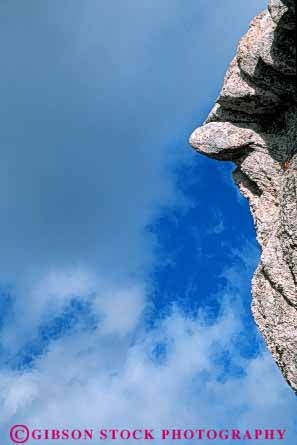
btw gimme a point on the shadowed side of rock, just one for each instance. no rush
(254, 124)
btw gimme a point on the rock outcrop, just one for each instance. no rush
(254, 124)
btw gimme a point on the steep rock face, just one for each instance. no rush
(254, 124)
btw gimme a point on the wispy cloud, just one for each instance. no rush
(114, 378)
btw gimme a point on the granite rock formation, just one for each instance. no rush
(254, 124)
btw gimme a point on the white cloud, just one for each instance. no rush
(104, 379)
(121, 309)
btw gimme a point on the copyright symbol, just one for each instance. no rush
(19, 433)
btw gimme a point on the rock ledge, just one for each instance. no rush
(254, 124)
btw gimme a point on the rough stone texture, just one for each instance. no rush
(254, 124)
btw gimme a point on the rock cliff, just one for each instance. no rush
(254, 124)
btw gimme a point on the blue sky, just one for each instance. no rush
(126, 258)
